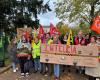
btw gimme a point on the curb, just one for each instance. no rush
(5, 69)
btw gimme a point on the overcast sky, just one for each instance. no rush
(49, 17)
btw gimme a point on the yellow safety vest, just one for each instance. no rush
(32, 44)
(50, 41)
(36, 50)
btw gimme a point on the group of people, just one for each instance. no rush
(25, 50)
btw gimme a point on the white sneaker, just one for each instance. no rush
(22, 74)
(17, 69)
(14, 70)
(45, 75)
(27, 74)
(97, 79)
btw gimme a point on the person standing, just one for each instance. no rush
(87, 38)
(94, 73)
(56, 66)
(36, 54)
(49, 66)
(98, 41)
(23, 54)
(12, 50)
(80, 40)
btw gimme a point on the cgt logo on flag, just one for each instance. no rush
(41, 31)
(96, 24)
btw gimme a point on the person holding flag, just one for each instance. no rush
(70, 38)
(34, 35)
(80, 40)
(41, 34)
(24, 55)
(48, 41)
(53, 30)
(56, 66)
(55, 35)
(36, 49)
(36, 54)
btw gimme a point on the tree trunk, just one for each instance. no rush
(92, 13)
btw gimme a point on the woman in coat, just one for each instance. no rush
(94, 73)
(23, 54)
(12, 50)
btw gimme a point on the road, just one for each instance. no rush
(9, 75)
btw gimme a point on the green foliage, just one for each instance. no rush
(77, 9)
(63, 28)
(17, 13)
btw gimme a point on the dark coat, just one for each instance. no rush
(12, 50)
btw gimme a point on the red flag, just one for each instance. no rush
(26, 35)
(96, 24)
(41, 31)
(53, 29)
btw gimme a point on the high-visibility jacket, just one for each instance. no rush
(36, 50)
(50, 41)
(32, 43)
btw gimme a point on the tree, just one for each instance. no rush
(17, 13)
(76, 10)
(63, 28)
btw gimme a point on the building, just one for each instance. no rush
(46, 29)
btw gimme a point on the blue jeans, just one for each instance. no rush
(14, 66)
(37, 64)
(56, 70)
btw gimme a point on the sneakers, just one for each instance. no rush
(46, 75)
(27, 74)
(97, 79)
(17, 69)
(14, 70)
(22, 74)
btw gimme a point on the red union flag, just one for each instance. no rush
(96, 24)
(53, 29)
(41, 31)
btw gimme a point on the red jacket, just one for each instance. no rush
(82, 41)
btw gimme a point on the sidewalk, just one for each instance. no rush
(6, 67)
